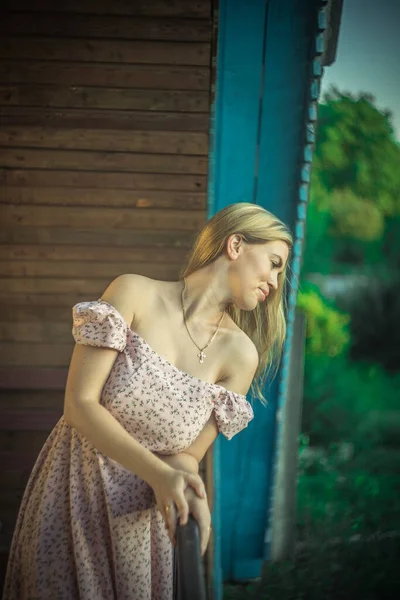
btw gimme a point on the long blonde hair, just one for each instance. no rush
(266, 324)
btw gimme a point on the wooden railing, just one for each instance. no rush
(189, 579)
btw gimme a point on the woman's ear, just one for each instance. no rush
(233, 245)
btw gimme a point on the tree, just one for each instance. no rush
(355, 185)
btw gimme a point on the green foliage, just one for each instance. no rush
(351, 399)
(327, 332)
(339, 398)
(329, 570)
(375, 322)
(355, 217)
(348, 500)
(356, 149)
(355, 187)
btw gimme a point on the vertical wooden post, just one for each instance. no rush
(284, 501)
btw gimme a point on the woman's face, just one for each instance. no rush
(255, 269)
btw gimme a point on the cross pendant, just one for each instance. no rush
(201, 356)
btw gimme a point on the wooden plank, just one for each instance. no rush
(106, 26)
(34, 314)
(19, 444)
(103, 98)
(44, 331)
(85, 254)
(92, 218)
(89, 288)
(157, 77)
(156, 142)
(84, 160)
(14, 479)
(102, 161)
(106, 51)
(8, 519)
(15, 270)
(29, 420)
(28, 399)
(196, 9)
(72, 269)
(16, 460)
(53, 298)
(85, 197)
(85, 179)
(109, 238)
(28, 379)
(104, 119)
(35, 355)
(10, 498)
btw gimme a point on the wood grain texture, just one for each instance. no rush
(118, 75)
(29, 420)
(106, 26)
(36, 355)
(26, 331)
(73, 269)
(199, 9)
(54, 291)
(108, 238)
(59, 96)
(61, 253)
(79, 160)
(28, 399)
(28, 378)
(34, 314)
(107, 51)
(111, 140)
(127, 120)
(100, 180)
(93, 218)
(59, 196)
(65, 299)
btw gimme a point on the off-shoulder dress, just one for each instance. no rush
(88, 528)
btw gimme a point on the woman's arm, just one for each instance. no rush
(88, 372)
(182, 461)
(243, 365)
(189, 459)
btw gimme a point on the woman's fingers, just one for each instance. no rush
(205, 531)
(204, 525)
(183, 508)
(170, 520)
(197, 484)
(171, 498)
(205, 538)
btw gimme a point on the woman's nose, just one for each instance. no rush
(273, 283)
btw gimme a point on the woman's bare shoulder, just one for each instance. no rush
(241, 362)
(242, 347)
(130, 293)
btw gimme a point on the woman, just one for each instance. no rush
(158, 369)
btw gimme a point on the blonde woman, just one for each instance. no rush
(158, 369)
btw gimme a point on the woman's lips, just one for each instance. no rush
(264, 293)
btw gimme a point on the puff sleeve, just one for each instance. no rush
(232, 412)
(98, 323)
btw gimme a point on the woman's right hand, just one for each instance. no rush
(199, 508)
(169, 489)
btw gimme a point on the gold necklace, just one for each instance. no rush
(201, 354)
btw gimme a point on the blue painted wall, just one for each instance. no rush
(258, 141)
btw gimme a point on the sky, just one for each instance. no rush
(368, 54)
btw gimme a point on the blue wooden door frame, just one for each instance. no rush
(260, 151)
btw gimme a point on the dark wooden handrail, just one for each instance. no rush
(189, 580)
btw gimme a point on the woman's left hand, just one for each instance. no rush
(200, 510)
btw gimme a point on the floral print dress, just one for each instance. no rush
(88, 528)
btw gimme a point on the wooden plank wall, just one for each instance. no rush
(103, 170)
